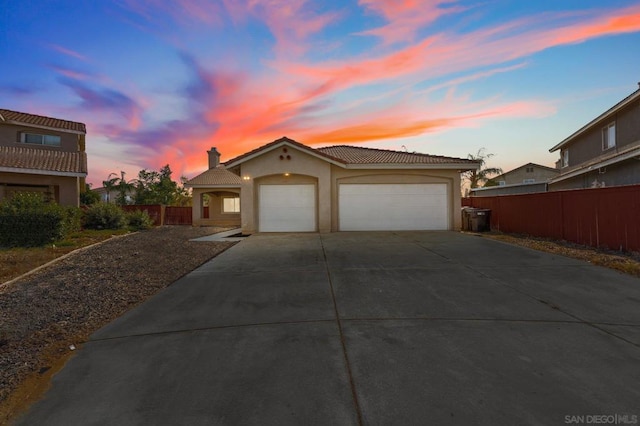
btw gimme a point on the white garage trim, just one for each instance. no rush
(393, 207)
(287, 208)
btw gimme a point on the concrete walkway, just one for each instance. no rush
(365, 328)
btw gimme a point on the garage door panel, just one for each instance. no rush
(394, 207)
(287, 208)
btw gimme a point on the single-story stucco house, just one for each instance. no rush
(286, 186)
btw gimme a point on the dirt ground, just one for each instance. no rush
(47, 315)
(626, 262)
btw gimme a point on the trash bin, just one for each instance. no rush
(476, 220)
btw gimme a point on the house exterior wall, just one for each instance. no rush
(65, 190)
(628, 125)
(304, 168)
(587, 148)
(519, 175)
(372, 176)
(270, 168)
(618, 175)
(69, 142)
(216, 217)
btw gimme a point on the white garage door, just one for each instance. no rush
(393, 207)
(287, 208)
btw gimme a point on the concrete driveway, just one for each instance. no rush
(366, 328)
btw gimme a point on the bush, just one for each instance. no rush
(139, 220)
(104, 216)
(27, 220)
(73, 220)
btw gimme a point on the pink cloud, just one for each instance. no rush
(406, 17)
(184, 12)
(68, 52)
(291, 22)
(240, 110)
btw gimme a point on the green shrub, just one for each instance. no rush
(139, 220)
(27, 220)
(104, 216)
(73, 220)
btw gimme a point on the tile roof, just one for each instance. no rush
(347, 154)
(359, 155)
(267, 146)
(43, 160)
(16, 117)
(217, 176)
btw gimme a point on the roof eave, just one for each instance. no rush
(511, 185)
(620, 105)
(258, 153)
(39, 126)
(604, 163)
(41, 172)
(204, 185)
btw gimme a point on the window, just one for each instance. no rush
(48, 140)
(231, 205)
(609, 136)
(565, 158)
(528, 181)
(502, 183)
(529, 169)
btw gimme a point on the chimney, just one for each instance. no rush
(214, 158)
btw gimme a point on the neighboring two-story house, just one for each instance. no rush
(604, 152)
(42, 154)
(526, 179)
(525, 174)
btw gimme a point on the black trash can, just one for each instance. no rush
(476, 220)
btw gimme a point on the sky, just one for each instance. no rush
(162, 81)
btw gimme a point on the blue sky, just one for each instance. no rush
(160, 82)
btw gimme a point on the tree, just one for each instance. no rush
(121, 185)
(482, 175)
(89, 196)
(158, 188)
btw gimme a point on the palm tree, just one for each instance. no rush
(119, 184)
(483, 174)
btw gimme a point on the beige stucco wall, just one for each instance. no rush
(216, 217)
(269, 168)
(449, 177)
(303, 168)
(65, 189)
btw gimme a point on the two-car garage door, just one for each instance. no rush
(361, 207)
(393, 207)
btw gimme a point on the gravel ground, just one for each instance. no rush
(46, 314)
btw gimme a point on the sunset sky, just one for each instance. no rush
(161, 81)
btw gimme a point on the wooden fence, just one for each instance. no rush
(599, 217)
(164, 215)
(178, 216)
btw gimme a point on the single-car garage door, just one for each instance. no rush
(287, 208)
(393, 207)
